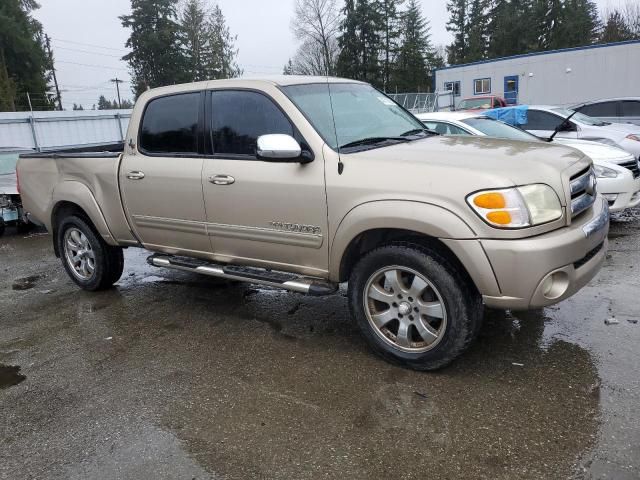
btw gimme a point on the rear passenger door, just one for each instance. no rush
(261, 213)
(160, 176)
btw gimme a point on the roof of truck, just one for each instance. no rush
(284, 80)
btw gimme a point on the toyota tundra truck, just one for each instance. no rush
(304, 183)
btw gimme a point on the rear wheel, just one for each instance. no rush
(413, 306)
(90, 262)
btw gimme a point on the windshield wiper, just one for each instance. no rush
(373, 141)
(416, 131)
(562, 125)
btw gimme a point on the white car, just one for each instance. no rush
(619, 184)
(543, 120)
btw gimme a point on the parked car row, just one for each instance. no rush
(617, 170)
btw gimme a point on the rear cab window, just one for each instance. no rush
(170, 125)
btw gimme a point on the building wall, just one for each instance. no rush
(564, 77)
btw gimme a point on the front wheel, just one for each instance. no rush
(90, 262)
(413, 306)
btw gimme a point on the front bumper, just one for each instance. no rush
(625, 190)
(543, 270)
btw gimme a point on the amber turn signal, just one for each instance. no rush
(490, 201)
(499, 217)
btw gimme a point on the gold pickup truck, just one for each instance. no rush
(303, 183)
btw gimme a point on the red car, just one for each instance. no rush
(482, 103)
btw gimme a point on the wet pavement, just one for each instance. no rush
(172, 375)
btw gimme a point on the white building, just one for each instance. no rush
(559, 77)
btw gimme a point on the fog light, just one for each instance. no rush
(555, 285)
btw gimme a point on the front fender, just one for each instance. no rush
(80, 195)
(418, 217)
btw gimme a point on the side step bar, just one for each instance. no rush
(286, 281)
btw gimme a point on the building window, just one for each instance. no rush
(482, 86)
(452, 87)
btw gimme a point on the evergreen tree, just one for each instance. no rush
(288, 68)
(416, 54)
(193, 28)
(392, 21)
(505, 32)
(103, 103)
(615, 29)
(222, 51)
(580, 23)
(370, 22)
(24, 65)
(478, 31)
(156, 58)
(78, 107)
(349, 60)
(457, 25)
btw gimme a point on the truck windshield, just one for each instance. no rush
(494, 128)
(351, 115)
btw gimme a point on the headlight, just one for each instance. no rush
(517, 207)
(634, 137)
(604, 172)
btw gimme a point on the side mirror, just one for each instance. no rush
(569, 127)
(279, 148)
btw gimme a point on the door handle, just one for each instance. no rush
(222, 180)
(135, 175)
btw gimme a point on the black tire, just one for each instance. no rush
(108, 261)
(455, 294)
(2, 227)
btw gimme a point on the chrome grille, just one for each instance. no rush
(634, 166)
(583, 191)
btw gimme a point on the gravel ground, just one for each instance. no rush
(175, 376)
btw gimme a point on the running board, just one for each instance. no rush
(286, 281)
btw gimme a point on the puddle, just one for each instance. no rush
(10, 375)
(25, 283)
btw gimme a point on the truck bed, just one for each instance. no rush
(106, 150)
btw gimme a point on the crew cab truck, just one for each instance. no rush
(303, 183)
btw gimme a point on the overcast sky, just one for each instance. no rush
(88, 40)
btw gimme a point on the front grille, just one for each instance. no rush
(634, 166)
(583, 191)
(588, 256)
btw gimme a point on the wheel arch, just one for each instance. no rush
(378, 223)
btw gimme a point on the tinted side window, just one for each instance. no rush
(239, 118)
(630, 109)
(603, 109)
(537, 120)
(170, 124)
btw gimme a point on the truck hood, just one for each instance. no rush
(503, 161)
(598, 152)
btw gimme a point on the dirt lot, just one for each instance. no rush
(175, 376)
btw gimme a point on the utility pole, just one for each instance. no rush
(53, 70)
(117, 81)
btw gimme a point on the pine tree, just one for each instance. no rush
(371, 25)
(580, 23)
(24, 65)
(457, 25)
(416, 54)
(349, 60)
(392, 21)
(505, 32)
(103, 103)
(193, 27)
(222, 51)
(155, 58)
(288, 68)
(616, 29)
(478, 31)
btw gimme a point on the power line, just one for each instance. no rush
(87, 51)
(90, 45)
(93, 65)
